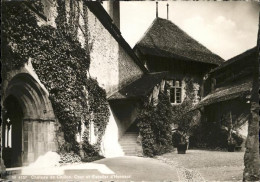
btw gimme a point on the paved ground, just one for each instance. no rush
(109, 169)
(141, 169)
(195, 166)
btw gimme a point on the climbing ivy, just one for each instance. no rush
(61, 64)
(183, 115)
(154, 126)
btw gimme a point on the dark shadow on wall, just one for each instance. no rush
(125, 112)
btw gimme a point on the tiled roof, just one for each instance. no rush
(226, 93)
(251, 52)
(165, 39)
(140, 87)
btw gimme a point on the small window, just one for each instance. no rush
(172, 95)
(8, 134)
(178, 95)
(175, 91)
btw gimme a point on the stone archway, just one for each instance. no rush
(29, 112)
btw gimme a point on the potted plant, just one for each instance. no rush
(231, 141)
(185, 122)
(239, 140)
(184, 118)
(231, 132)
(181, 141)
(231, 144)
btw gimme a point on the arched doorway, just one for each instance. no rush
(28, 128)
(12, 132)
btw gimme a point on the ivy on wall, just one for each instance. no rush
(154, 126)
(60, 63)
(182, 114)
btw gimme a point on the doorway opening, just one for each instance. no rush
(12, 132)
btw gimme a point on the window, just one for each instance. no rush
(8, 134)
(175, 91)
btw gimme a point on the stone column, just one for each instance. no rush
(28, 152)
(251, 158)
(39, 138)
(2, 166)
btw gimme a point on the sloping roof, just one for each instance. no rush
(226, 93)
(240, 57)
(140, 87)
(97, 9)
(165, 39)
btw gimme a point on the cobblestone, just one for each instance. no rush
(184, 174)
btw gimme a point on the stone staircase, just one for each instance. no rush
(130, 145)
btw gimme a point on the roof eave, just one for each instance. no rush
(235, 59)
(176, 57)
(97, 9)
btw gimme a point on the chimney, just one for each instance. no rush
(113, 9)
(156, 9)
(167, 11)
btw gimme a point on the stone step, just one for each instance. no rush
(129, 149)
(130, 136)
(129, 144)
(128, 139)
(131, 154)
(131, 132)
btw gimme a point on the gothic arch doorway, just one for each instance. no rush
(12, 132)
(28, 129)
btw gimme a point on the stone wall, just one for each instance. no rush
(39, 138)
(125, 113)
(110, 64)
(127, 69)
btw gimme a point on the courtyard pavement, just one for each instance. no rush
(195, 166)
(127, 168)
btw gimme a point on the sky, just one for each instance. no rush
(225, 28)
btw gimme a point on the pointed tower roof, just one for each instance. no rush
(165, 39)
